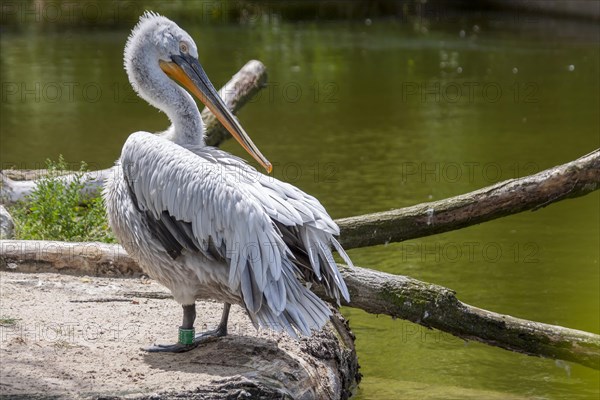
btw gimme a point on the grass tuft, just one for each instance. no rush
(57, 209)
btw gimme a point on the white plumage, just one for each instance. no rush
(203, 222)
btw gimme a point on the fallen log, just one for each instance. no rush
(437, 307)
(376, 292)
(573, 179)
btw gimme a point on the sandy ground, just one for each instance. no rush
(80, 337)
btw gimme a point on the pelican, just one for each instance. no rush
(204, 223)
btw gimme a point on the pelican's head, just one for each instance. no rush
(174, 51)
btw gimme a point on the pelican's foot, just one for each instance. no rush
(170, 348)
(209, 336)
(188, 341)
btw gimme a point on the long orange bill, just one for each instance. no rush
(188, 71)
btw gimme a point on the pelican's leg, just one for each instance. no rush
(187, 340)
(221, 329)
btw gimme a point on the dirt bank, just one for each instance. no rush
(73, 336)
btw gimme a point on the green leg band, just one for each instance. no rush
(186, 336)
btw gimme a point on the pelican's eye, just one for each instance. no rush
(183, 47)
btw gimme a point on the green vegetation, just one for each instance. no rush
(57, 210)
(8, 321)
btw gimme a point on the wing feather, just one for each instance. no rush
(271, 234)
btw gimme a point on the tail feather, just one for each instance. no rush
(288, 305)
(346, 258)
(304, 311)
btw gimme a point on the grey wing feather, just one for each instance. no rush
(308, 229)
(203, 200)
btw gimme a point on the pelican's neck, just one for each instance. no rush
(154, 86)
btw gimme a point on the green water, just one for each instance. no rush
(369, 118)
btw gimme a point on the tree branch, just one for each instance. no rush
(242, 87)
(574, 179)
(437, 307)
(372, 291)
